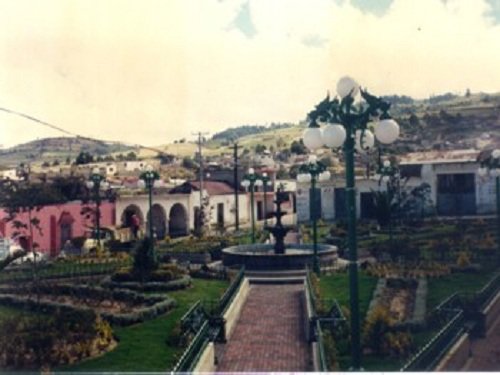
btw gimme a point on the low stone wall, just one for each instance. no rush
(206, 363)
(492, 311)
(455, 359)
(233, 312)
(262, 257)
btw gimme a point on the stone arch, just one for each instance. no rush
(177, 221)
(126, 218)
(159, 221)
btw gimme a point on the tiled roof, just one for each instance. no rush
(212, 187)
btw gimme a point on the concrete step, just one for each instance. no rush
(276, 280)
(276, 274)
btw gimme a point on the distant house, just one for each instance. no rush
(456, 189)
(58, 224)
(221, 203)
(9, 174)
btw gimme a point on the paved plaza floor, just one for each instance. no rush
(269, 335)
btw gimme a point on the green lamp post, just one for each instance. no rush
(148, 180)
(491, 166)
(389, 173)
(348, 127)
(265, 180)
(94, 184)
(250, 180)
(311, 173)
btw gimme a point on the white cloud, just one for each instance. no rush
(154, 71)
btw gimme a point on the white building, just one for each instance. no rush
(456, 189)
(174, 212)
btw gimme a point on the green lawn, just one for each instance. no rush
(337, 286)
(9, 312)
(441, 288)
(143, 347)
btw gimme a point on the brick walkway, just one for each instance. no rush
(486, 351)
(269, 335)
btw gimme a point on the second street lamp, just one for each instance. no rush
(348, 127)
(265, 179)
(94, 183)
(148, 179)
(311, 172)
(249, 182)
(491, 166)
(389, 174)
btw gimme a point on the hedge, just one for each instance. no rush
(151, 286)
(156, 304)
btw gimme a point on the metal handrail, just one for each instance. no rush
(323, 366)
(488, 292)
(428, 357)
(230, 293)
(312, 297)
(193, 352)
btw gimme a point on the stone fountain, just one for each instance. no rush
(278, 230)
(277, 256)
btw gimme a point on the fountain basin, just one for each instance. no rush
(262, 257)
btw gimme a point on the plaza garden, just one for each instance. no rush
(119, 311)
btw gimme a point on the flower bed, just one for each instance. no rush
(122, 307)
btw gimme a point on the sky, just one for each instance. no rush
(153, 71)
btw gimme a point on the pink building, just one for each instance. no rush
(58, 223)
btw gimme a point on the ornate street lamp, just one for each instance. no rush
(312, 172)
(249, 181)
(94, 183)
(265, 180)
(491, 166)
(148, 180)
(389, 174)
(348, 126)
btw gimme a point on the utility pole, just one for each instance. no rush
(236, 187)
(200, 139)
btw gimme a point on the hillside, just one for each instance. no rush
(58, 148)
(448, 121)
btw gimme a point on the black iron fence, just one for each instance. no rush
(457, 314)
(192, 354)
(205, 319)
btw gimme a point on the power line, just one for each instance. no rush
(58, 128)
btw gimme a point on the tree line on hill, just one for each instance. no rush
(232, 134)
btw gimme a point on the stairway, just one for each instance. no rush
(269, 334)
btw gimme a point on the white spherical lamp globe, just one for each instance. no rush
(245, 183)
(324, 176)
(387, 163)
(482, 172)
(387, 131)
(334, 135)
(141, 184)
(496, 154)
(312, 138)
(347, 86)
(366, 143)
